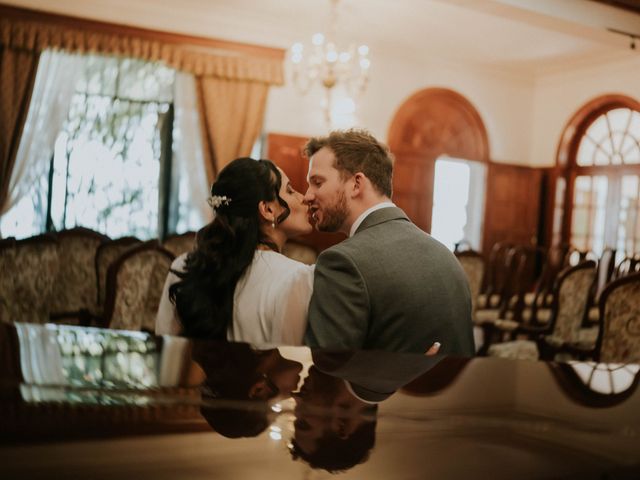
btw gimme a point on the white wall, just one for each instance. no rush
(524, 115)
(503, 99)
(559, 95)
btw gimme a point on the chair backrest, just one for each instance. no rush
(134, 287)
(179, 244)
(300, 252)
(545, 286)
(575, 256)
(570, 302)
(7, 267)
(29, 281)
(619, 338)
(106, 254)
(628, 265)
(530, 261)
(495, 269)
(606, 266)
(76, 287)
(473, 265)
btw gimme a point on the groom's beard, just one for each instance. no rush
(334, 216)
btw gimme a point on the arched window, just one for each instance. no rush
(599, 186)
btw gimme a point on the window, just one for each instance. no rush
(107, 160)
(111, 165)
(458, 202)
(604, 182)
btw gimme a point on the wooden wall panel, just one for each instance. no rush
(413, 187)
(286, 152)
(512, 207)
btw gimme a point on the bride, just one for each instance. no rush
(235, 284)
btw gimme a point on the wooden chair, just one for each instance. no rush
(178, 244)
(29, 269)
(300, 252)
(525, 278)
(106, 254)
(537, 304)
(564, 333)
(497, 302)
(501, 303)
(619, 335)
(75, 289)
(134, 287)
(495, 274)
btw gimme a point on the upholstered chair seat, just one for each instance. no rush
(486, 316)
(543, 315)
(515, 350)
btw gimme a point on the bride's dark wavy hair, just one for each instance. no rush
(225, 247)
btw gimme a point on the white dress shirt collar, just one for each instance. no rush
(366, 213)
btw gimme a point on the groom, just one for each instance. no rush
(389, 286)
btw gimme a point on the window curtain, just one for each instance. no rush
(17, 75)
(188, 165)
(231, 86)
(233, 112)
(475, 204)
(52, 92)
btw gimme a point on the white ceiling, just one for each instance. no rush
(530, 36)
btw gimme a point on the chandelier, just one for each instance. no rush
(326, 64)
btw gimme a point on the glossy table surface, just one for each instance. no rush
(92, 403)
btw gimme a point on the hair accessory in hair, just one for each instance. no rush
(215, 201)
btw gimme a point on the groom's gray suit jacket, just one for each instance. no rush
(390, 286)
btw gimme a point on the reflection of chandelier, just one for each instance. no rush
(325, 63)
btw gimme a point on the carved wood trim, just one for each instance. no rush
(437, 121)
(580, 121)
(24, 14)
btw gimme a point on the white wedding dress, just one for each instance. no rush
(270, 301)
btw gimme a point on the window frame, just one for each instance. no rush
(567, 168)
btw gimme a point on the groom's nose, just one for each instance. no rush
(308, 196)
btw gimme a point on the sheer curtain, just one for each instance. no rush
(188, 166)
(54, 86)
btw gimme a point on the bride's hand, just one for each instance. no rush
(433, 350)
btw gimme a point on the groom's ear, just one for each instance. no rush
(359, 181)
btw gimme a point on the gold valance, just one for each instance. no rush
(200, 60)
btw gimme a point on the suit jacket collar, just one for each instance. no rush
(381, 216)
